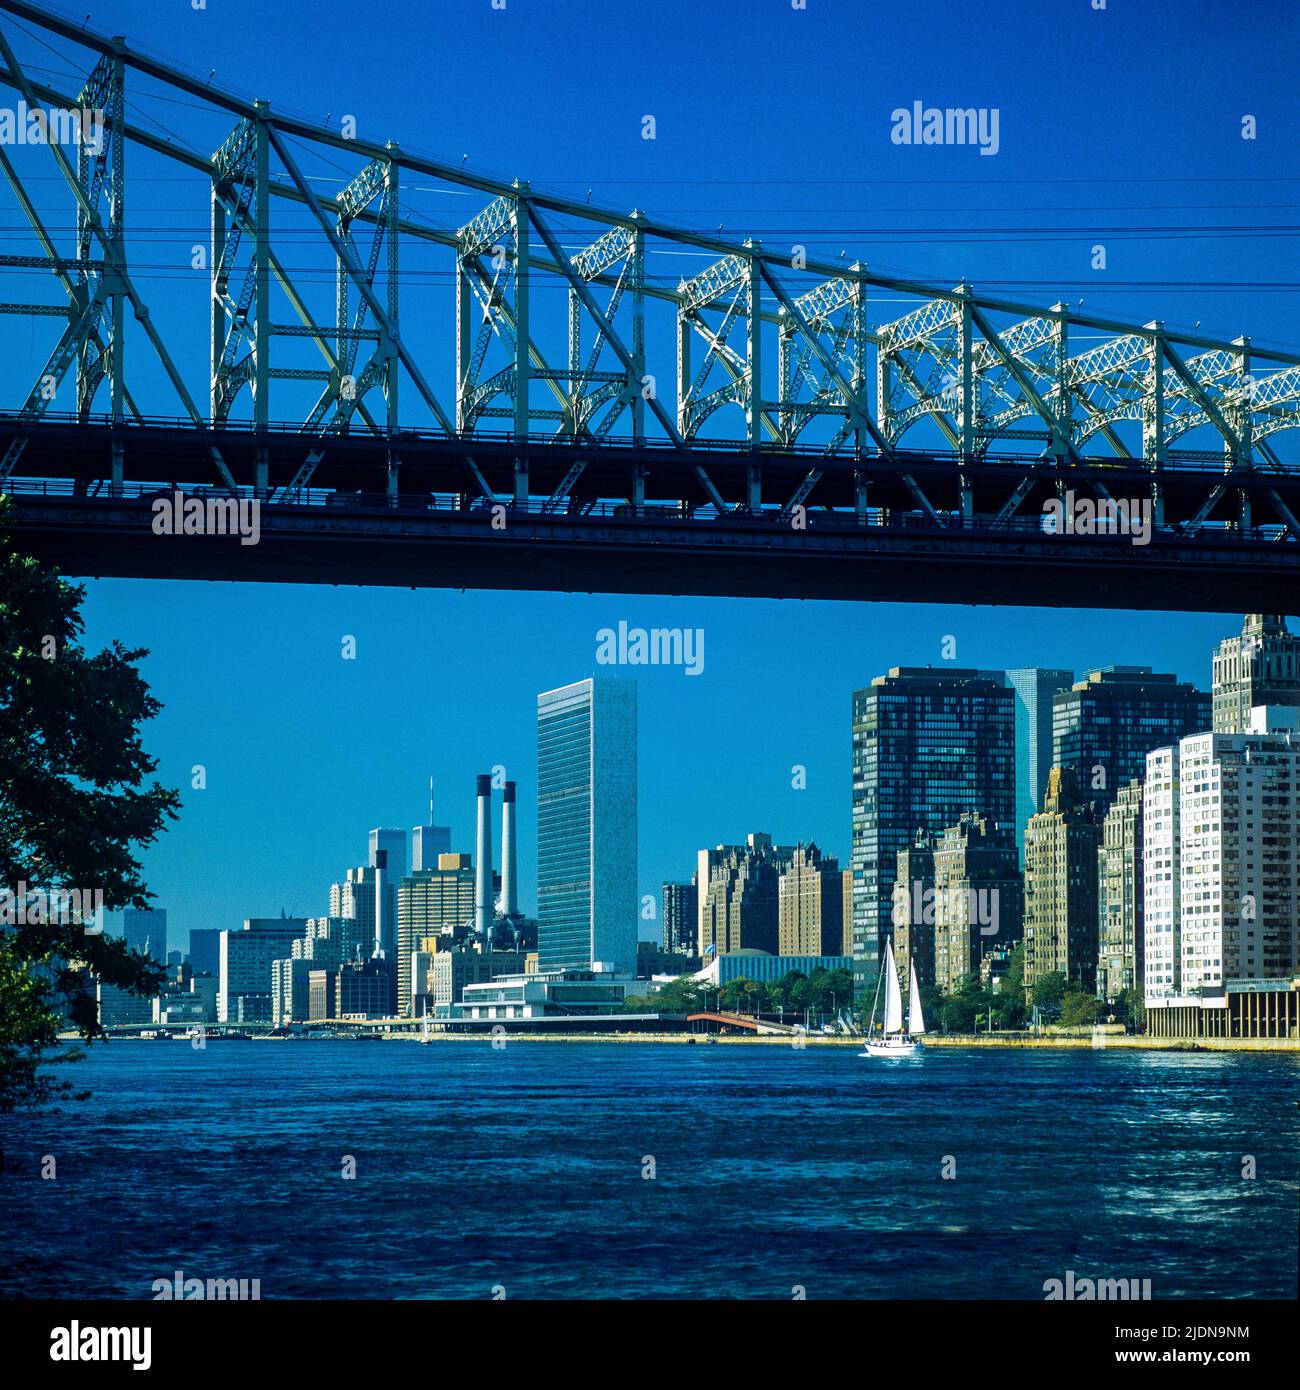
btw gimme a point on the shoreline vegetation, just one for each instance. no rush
(1085, 1041)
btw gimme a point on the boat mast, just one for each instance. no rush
(880, 975)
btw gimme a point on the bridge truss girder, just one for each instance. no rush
(784, 340)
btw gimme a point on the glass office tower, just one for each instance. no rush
(1104, 726)
(587, 826)
(1034, 687)
(929, 746)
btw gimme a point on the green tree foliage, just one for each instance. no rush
(680, 996)
(967, 1009)
(1130, 1009)
(1078, 1008)
(822, 992)
(74, 804)
(1049, 991)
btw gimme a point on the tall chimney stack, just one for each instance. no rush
(509, 854)
(483, 863)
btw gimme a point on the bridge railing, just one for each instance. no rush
(824, 520)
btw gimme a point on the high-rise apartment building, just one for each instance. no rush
(978, 898)
(913, 924)
(1034, 688)
(329, 941)
(1161, 881)
(1261, 667)
(1104, 726)
(1120, 866)
(680, 907)
(810, 907)
(1228, 831)
(368, 895)
(587, 826)
(740, 895)
(929, 746)
(1061, 844)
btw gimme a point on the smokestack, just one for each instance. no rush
(483, 863)
(380, 857)
(509, 854)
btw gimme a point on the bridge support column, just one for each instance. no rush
(262, 470)
(860, 499)
(118, 461)
(754, 488)
(521, 482)
(394, 469)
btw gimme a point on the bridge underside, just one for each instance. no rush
(637, 520)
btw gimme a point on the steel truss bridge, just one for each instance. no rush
(569, 419)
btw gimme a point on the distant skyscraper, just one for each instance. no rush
(1034, 687)
(429, 841)
(1120, 895)
(1104, 726)
(680, 919)
(1229, 826)
(1061, 885)
(811, 906)
(205, 950)
(929, 746)
(1260, 667)
(587, 826)
(393, 843)
(145, 930)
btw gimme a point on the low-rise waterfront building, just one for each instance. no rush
(547, 994)
(765, 968)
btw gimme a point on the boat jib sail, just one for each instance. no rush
(915, 1018)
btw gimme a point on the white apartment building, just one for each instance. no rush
(1222, 858)
(1160, 876)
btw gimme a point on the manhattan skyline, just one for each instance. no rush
(305, 752)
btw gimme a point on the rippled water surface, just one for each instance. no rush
(523, 1168)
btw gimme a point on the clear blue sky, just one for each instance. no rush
(770, 121)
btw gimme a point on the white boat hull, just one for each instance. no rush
(891, 1047)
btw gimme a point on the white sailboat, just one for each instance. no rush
(893, 1040)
